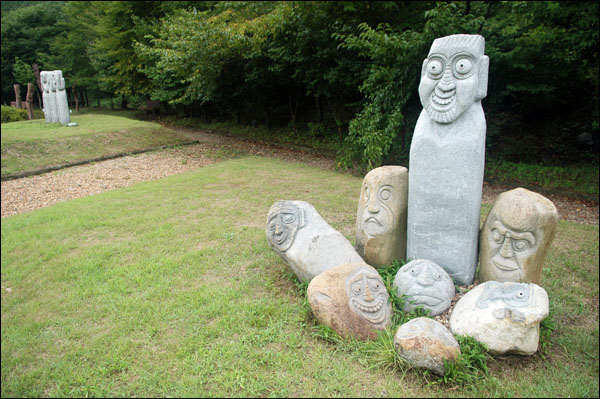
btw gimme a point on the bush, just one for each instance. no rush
(12, 114)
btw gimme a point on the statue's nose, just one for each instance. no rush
(506, 250)
(447, 83)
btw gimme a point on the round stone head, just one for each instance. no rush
(515, 237)
(283, 222)
(45, 80)
(58, 77)
(425, 284)
(454, 76)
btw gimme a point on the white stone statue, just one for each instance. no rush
(49, 96)
(381, 216)
(62, 105)
(447, 157)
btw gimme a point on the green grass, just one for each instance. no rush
(169, 288)
(35, 144)
(573, 179)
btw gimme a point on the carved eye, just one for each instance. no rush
(288, 218)
(519, 295)
(413, 271)
(357, 288)
(366, 192)
(463, 66)
(374, 284)
(272, 226)
(520, 245)
(385, 194)
(496, 236)
(437, 276)
(435, 68)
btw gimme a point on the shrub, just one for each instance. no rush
(12, 114)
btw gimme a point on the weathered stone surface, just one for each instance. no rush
(381, 216)
(516, 236)
(49, 96)
(425, 343)
(62, 105)
(425, 284)
(447, 157)
(351, 299)
(307, 243)
(504, 316)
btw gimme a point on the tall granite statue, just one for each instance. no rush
(381, 216)
(447, 157)
(62, 105)
(516, 236)
(49, 96)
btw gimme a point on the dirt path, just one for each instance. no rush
(27, 194)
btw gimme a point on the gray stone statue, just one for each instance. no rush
(424, 284)
(62, 105)
(447, 157)
(49, 96)
(381, 217)
(516, 236)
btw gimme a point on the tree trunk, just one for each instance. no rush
(98, 100)
(29, 100)
(123, 102)
(87, 99)
(111, 102)
(39, 98)
(319, 108)
(294, 110)
(36, 73)
(18, 94)
(75, 97)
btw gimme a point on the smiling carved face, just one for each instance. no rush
(368, 296)
(454, 76)
(284, 221)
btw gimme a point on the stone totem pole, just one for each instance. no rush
(49, 97)
(62, 106)
(447, 157)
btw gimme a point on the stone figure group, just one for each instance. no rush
(429, 214)
(54, 96)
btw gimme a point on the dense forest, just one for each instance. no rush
(341, 71)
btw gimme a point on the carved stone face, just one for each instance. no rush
(515, 236)
(58, 79)
(426, 284)
(454, 76)
(45, 81)
(516, 295)
(368, 295)
(284, 221)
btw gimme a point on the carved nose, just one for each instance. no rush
(447, 83)
(277, 228)
(368, 294)
(373, 208)
(425, 278)
(506, 250)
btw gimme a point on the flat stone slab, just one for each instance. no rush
(305, 241)
(351, 299)
(505, 316)
(425, 284)
(425, 343)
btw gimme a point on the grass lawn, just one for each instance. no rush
(169, 288)
(35, 144)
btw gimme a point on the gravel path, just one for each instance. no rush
(27, 194)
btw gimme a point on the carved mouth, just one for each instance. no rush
(374, 313)
(444, 101)
(371, 219)
(280, 238)
(426, 300)
(504, 266)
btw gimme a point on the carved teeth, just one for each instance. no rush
(369, 309)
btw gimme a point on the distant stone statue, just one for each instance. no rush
(49, 96)
(447, 157)
(381, 217)
(516, 236)
(62, 105)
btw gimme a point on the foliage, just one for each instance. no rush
(12, 114)
(471, 365)
(22, 72)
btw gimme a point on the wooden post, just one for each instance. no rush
(75, 97)
(36, 73)
(29, 100)
(18, 94)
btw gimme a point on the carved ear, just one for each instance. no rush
(484, 63)
(302, 217)
(424, 67)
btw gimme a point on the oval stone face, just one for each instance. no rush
(425, 284)
(284, 221)
(367, 295)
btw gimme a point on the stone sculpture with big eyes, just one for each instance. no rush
(381, 216)
(516, 236)
(447, 157)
